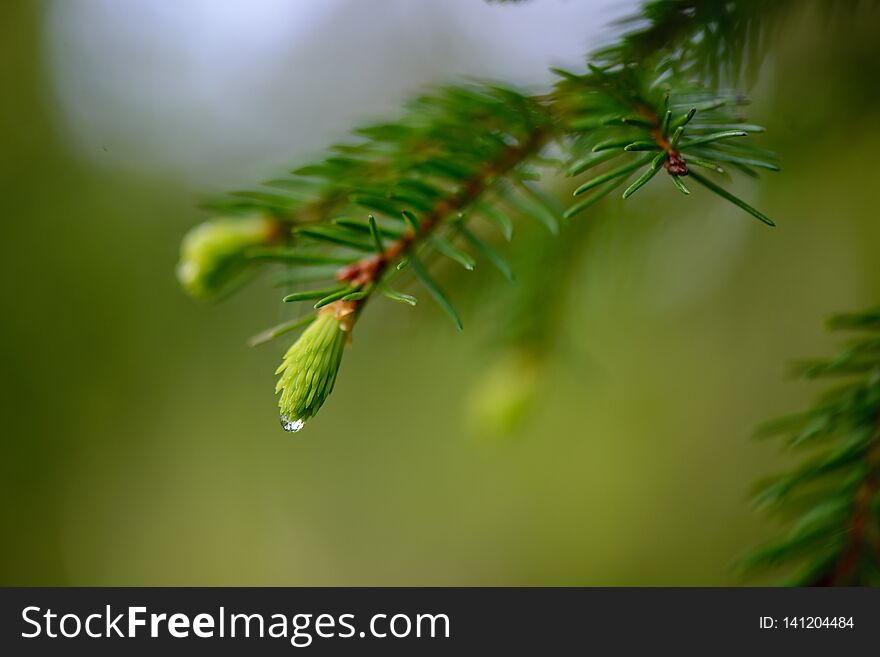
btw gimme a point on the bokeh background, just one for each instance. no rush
(140, 440)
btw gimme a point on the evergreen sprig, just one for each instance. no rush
(830, 502)
(619, 112)
(713, 39)
(400, 193)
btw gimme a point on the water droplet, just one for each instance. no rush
(291, 425)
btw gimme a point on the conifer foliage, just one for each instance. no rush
(654, 107)
(830, 502)
(382, 205)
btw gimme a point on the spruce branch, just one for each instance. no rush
(831, 501)
(711, 40)
(375, 208)
(862, 529)
(615, 111)
(368, 271)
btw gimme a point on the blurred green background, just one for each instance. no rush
(140, 440)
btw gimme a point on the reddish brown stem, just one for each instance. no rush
(841, 572)
(675, 164)
(370, 269)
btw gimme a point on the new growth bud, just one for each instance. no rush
(308, 371)
(506, 393)
(212, 254)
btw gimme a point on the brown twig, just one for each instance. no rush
(842, 569)
(370, 269)
(674, 164)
